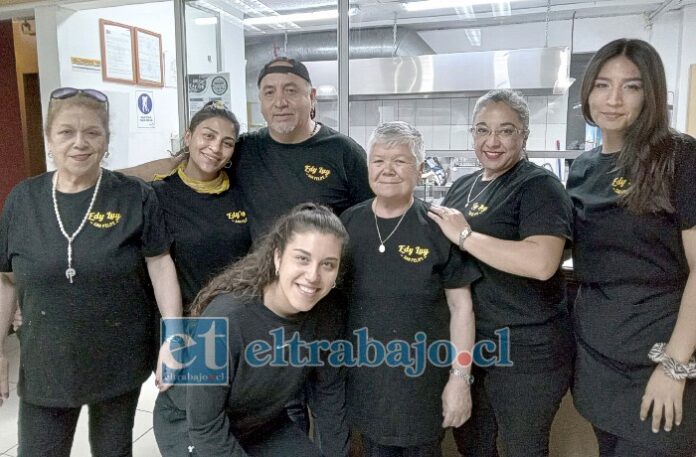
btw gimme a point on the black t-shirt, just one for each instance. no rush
(527, 200)
(328, 168)
(633, 271)
(394, 295)
(93, 339)
(638, 261)
(210, 231)
(256, 397)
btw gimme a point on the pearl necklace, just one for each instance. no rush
(70, 272)
(468, 198)
(381, 248)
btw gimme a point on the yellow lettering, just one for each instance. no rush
(93, 217)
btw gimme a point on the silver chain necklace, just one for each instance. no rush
(70, 272)
(381, 248)
(468, 198)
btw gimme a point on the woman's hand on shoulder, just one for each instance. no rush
(665, 395)
(451, 221)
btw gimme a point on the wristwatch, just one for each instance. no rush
(463, 235)
(462, 374)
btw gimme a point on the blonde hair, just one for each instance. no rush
(79, 100)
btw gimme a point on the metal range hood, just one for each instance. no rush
(539, 69)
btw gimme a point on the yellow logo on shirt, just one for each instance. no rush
(316, 173)
(104, 220)
(477, 209)
(238, 217)
(411, 254)
(620, 185)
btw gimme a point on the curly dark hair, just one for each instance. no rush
(248, 277)
(210, 110)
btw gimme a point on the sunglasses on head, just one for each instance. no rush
(67, 92)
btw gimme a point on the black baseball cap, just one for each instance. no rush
(296, 68)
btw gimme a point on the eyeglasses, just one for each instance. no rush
(68, 92)
(503, 133)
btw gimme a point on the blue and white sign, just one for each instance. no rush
(198, 350)
(145, 109)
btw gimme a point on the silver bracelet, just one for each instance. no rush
(674, 369)
(463, 235)
(462, 374)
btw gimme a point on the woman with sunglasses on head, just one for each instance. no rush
(635, 257)
(278, 285)
(79, 248)
(209, 223)
(514, 217)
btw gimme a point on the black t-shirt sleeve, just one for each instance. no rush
(5, 219)
(684, 188)
(545, 208)
(209, 424)
(156, 239)
(460, 270)
(356, 171)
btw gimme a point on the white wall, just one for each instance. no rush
(234, 62)
(201, 57)
(76, 34)
(201, 43)
(688, 58)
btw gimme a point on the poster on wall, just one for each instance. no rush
(208, 87)
(145, 109)
(117, 61)
(148, 50)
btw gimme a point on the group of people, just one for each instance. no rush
(247, 227)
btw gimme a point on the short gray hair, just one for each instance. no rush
(511, 98)
(396, 133)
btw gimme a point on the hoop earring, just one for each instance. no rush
(107, 154)
(50, 155)
(277, 272)
(334, 285)
(313, 113)
(228, 164)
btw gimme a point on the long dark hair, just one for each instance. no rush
(647, 155)
(210, 110)
(248, 277)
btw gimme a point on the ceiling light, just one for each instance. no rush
(444, 4)
(297, 17)
(474, 36)
(205, 21)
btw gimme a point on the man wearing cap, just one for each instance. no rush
(296, 159)
(293, 160)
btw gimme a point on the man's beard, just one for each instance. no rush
(283, 128)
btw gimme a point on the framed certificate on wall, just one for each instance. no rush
(117, 57)
(148, 63)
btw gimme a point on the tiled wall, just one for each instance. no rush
(445, 122)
